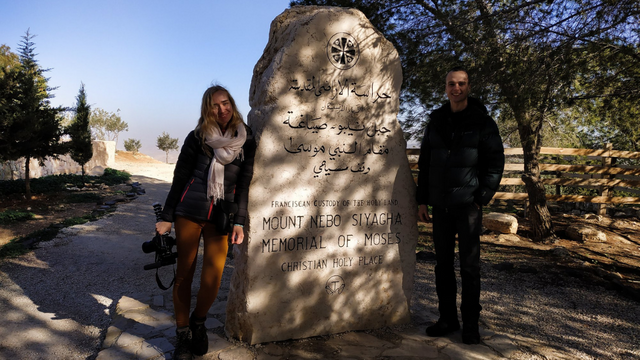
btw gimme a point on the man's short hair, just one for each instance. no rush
(457, 68)
(460, 68)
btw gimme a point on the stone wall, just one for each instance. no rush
(104, 154)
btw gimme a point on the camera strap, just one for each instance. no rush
(160, 282)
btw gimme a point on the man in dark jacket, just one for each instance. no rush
(461, 163)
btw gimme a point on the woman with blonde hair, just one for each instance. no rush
(210, 181)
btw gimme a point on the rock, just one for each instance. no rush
(332, 175)
(426, 256)
(508, 238)
(503, 266)
(585, 234)
(593, 217)
(560, 251)
(502, 223)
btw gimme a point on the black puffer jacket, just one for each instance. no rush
(461, 157)
(188, 194)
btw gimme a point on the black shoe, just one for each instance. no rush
(443, 327)
(199, 338)
(471, 334)
(183, 344)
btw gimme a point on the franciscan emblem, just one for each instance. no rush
(334, 285)
(343, 51)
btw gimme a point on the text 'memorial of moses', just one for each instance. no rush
(332, 230)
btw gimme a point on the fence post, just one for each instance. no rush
(604, 190)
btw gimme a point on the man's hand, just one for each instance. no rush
(423, 214)
(237, 236)
(163, 227)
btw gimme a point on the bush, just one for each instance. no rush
(132, 145)
(53, 183)
(114, 177)
(14, 216)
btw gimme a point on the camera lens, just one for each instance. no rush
(149, 246)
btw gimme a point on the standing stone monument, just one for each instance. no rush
(332, 230)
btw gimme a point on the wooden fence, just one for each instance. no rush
(608, 175)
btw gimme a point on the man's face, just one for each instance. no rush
(457, 87)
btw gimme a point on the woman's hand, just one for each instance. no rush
(237, 236)
(163, 227)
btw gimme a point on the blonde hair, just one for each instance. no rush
(208, 117)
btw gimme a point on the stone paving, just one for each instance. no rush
(144, 329)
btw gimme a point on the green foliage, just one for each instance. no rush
(107, 125)
(114, 177)
(9, 64)
(80, 146)
(166, 144)
(29, 128)
(132, 145)
(53, 183)
(13, 249)
(14, 216)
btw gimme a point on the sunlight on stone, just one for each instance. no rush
(103, 300)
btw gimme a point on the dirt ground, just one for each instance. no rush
(615, 263)
(53, 208)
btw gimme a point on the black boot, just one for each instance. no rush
(470, 333)
(199, 340)
(443, 327)
(183, 344)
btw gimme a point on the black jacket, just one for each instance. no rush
(188, 194)
(461, 157)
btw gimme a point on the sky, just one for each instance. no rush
(152, 60)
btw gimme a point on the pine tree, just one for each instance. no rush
(80, 146)
(31, 129)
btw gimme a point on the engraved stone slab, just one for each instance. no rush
(330, 244)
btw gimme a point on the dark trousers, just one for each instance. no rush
(465, 221)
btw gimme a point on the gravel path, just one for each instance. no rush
(56, 302)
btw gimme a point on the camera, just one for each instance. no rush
(162, 244)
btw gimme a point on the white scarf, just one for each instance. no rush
(225, 149)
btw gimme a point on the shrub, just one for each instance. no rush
(114, 177)
(14, 216)
(53, 183)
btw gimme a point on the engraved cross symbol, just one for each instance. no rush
(343, 51)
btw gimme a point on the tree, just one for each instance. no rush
(30, 126)
(166, 144)
(107, 125)
(9, 66)
(80, 146)
(525, 58)
(132, 145)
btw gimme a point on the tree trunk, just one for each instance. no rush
(539, 215)
(27, 180)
